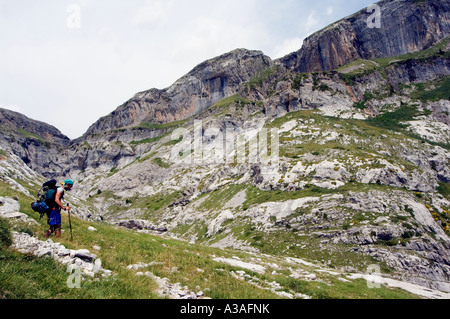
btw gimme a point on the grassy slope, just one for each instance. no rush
(358, 67)
(29, 277)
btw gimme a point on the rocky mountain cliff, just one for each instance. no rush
(36, 143)
(17, 122)
(406, 26)
(205, 85)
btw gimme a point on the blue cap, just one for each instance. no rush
(68, 181)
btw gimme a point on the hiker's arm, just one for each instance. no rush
(58, 201)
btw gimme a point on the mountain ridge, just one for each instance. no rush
(348, 40)
(151, 105)
(206, 84)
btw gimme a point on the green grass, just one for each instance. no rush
(386, 129)
(149, 205)
(156, 203)
(161, 126)
(220, 197)
(5, 234)
(165, 128)
(288, 242)
(161, 163)
(303, 114)
(29, 277)
(434, 91)
(232, 106)
(262, 77)
(444, 189)
(30, 135)
(356, 68)
(256, 196)
(391, 120)
(148, 140)
(424, 54)
(234, 99)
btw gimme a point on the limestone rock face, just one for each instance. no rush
(406, 26)
(35, 142)
(205, 85)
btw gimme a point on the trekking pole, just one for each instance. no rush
(70, 224)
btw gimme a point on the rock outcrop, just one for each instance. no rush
(82, 260)
(141, 225)
(406, 26)
(10, 209)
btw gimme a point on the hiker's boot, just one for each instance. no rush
(48, 233)
(58, 233)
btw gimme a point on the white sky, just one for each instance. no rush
(69, 62)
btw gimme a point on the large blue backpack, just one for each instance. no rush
(46, 201)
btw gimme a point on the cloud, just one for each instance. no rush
(314, 19)
(73, 80)
(330, 11)
(311, 22)
(152, 11)
(84, 3)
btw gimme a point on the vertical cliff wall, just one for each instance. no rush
(405, 26)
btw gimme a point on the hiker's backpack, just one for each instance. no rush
(46, 200)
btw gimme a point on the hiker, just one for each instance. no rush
(54, 219)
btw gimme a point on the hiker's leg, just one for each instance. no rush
(48, 233)
(58, 231)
